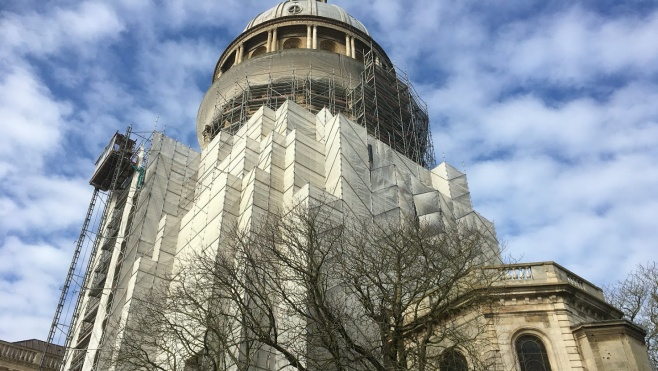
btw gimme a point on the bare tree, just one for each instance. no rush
(310, 289)
(637, 297)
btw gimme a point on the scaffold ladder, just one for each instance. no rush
(69, 276)
(74, 265)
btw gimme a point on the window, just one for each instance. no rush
(295, 9)
(532, 353)
(452, 360)
(258, 51)
(292, 43)
(328, 45)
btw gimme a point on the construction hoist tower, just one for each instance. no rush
(114, 166)
(109, 239)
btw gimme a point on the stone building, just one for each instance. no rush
(30, 355)
(547, 314)
(305, 105)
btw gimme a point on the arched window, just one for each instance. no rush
(228, 62)
(293, 43)
(258, 51)
(452, 360)
(532, 353)
(328, 45)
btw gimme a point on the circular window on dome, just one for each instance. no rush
(295, 9)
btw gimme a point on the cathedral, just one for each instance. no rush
(306, 108)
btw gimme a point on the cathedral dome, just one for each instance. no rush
(317, 56)
(316, 8)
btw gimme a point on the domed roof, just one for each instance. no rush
(293, 8)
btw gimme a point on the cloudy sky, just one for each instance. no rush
(550, 106)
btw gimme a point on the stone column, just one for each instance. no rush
(352, 46)
(348, 48)
(269, 41)
(240, 53)
(274, 40)
(309, 36)
(315, 37)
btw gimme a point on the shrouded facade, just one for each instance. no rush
(306, 107)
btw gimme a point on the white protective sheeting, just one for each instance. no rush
(275, 161)
(275, 155)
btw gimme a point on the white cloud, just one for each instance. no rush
(31, 118)
(30, 279)
(39, 204)
(181, 64)
(42, 204)
(576, 46)
(39, 33)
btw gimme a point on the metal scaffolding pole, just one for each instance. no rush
(69, 276)
(118, 169)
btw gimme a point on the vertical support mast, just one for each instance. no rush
(69, 276)
(110, 173)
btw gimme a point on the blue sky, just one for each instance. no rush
(551, 107)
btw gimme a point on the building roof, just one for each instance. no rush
(317, 8)
(41, 346)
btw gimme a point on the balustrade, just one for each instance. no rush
(20, 354)
(544, 273)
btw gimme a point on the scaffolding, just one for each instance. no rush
(57, 324)
(386, 103)
(132, 233)
(113, 168)
(382, 100)
(312, 93)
